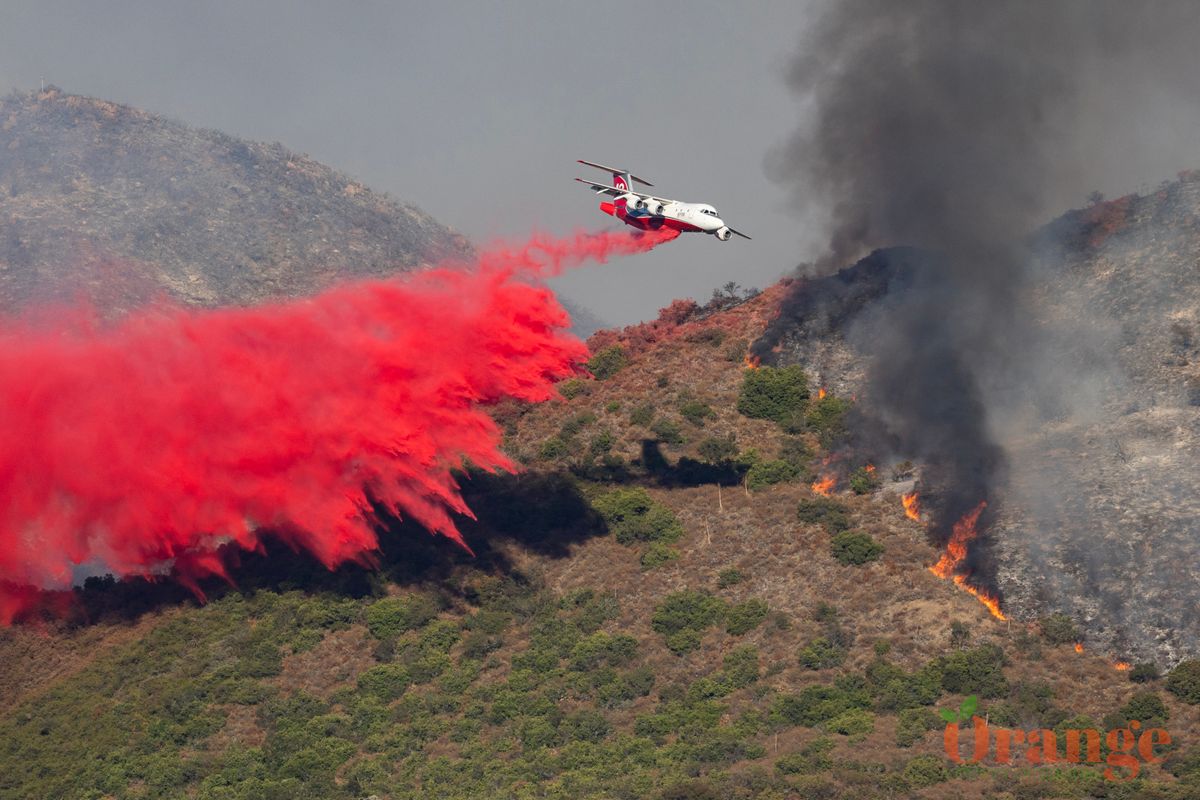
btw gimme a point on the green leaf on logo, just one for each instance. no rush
(967, 709)
(948, 715)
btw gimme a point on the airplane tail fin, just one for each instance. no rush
(622, 178)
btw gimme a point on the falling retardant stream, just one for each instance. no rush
(147, 445)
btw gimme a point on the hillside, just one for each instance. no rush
(661, 605)
(708, 580)
(1096, 418)
(119, 206)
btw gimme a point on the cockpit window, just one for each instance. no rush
(709, 211)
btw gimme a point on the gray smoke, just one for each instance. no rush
(958, 129)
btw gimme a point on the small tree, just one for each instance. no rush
(608, 362)
(1184, 681)
(855, 548)
(775, 394)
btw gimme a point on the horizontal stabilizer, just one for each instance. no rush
(616, 171)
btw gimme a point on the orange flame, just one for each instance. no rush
(750, 362)
(1078, 647)
(821, 393)
(956, 551)
(870, 468)
(1121, 666)
(825, 485)
(912, 508)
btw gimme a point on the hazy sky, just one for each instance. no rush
(474, 111)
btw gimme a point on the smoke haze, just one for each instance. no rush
(958, 129)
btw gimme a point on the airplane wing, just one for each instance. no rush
(600, 188)
(642, 181)
(739, 233)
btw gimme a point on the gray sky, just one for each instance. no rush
(475, 111)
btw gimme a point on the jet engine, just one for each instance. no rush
(656, 208)
(724, 234)
(635, 202)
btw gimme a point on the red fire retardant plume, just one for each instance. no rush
(145, 446)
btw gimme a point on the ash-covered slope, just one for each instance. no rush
(113, 204)
(1094, 413)
(1101, 517)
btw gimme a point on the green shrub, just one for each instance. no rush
(896, 690)
(739, 668)
(820, 653)
(768, 473)
(574, 424)
(864, 480)
(855, 723)
(745, 617)
(796, 452)
(642, 415)
(633, 516)
(827, 417)
(925, 771)
(914, 723)
(1183, 763)
(1144, 673)
(1184, 681)
(657, 554)
(572, 388)
(601, 648)
(553, 448)
(601, 443)
(608, 362)
(667, 431)
(615, 690)
(774, 394)
(695, 411)
(683, 615)
(385, 681)
(811, 759)
(392, 616)
(1058, 629)
(488, 621)
(612, 406)
(1147, 708)
(537, 732)
(855, 548)
(716, 450)
(976, 671)
(587, 725)
(816, 704)
(824, 511)
(729, 576)
(684, 641)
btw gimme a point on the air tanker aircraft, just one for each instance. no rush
(650, 213)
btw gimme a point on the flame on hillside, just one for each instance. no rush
(963, 533)
(751, 362)
(912, 506)
(1121, 666)
(824, 486)
(821, 393)
(1078, 647)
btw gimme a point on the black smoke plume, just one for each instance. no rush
(956, 128)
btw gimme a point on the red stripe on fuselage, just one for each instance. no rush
(647, 223)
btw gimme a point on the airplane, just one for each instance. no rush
(647, 212)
